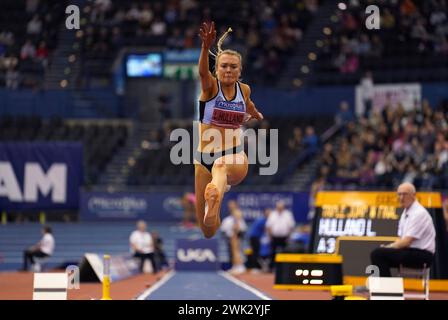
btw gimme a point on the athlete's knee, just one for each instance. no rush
(219, 164)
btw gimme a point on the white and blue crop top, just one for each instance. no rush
(221, 112)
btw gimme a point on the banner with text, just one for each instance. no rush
(38, 176)
(407, 94)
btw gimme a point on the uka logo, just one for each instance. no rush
(35, 180)
(196, 255)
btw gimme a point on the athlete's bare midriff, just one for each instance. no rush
(208, 144)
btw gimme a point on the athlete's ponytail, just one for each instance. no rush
(226, 51)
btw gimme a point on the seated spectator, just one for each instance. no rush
(34, 27)
(328, 159)
(44, 248)
(351, 63)
(42, 54)
(344, 115)
(31, 6)
(367, 93)
(12, 78)
(142, 245)
(28, 50)
(387, 20)
(408, 8)
(296, 142)
(311, 140)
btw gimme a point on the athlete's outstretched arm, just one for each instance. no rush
(251, 109)
(207, 33)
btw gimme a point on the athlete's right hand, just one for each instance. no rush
(207, 33)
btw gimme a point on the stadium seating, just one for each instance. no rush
(100, 141)
(411, 44)
(15, 30)
(272, 31)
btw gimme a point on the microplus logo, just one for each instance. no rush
(35, 180)
(123, 204)
(196, 255)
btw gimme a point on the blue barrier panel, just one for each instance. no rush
(252, 204)
(37, 176)
(167, 206)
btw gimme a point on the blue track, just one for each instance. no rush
(200, 286)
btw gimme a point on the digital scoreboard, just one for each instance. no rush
(307, 271)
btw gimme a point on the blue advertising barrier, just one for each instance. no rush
(154, 206)
(38, 176)
(167, 206)
(201, 255)
(252, 204)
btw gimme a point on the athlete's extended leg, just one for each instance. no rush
(202, 178)
(229, 169)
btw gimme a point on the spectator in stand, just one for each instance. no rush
(295, 143)
(12, 78)
(31, 6)
(34, 27)
(367, 93)
(317, 186)
(387, 20)
(42, 54)
(344, 115)
(28, 50)
(311, 140)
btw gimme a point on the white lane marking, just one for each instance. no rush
(156, 286)
(243, 285)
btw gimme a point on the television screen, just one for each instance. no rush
(144, 65)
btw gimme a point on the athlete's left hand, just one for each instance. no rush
(259, 116)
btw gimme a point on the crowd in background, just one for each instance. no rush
(26, 43)
(389, 146)
(407, 28)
